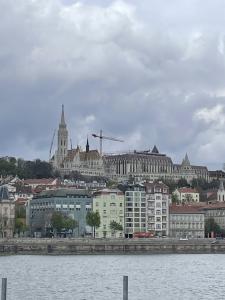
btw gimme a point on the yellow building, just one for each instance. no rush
(110, 205)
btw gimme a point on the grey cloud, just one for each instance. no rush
(139, 72)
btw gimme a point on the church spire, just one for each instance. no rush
(186, 161)
(62, 116)
(87, 146)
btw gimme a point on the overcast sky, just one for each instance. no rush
(149, 72)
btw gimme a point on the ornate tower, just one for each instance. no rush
(62, 139)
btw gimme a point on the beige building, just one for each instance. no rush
(157, 212)
(110, 205)
(187, 195)
(7, 214)
(186, 221)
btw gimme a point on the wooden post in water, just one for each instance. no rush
(125, 287)
(4, 288)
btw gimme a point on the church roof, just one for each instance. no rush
(90, 155)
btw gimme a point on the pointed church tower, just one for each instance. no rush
(186, 163)
(62, 140)
(87, 146)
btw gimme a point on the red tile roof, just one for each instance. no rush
(187, 190)
(185, 209)
(43, 181)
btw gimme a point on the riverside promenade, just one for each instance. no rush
(70, 246)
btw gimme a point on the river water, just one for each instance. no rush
(99, 277)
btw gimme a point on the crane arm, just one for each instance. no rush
(106, 138)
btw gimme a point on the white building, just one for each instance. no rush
(135, 210)
(221, 192)
(187, 195)
(157, 213)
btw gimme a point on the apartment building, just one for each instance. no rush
(187, 221)
(135, 210)
(110, 205)
(157, 212)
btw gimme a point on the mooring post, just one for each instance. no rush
(125, 287)
(4, 288)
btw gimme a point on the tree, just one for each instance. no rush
(114, 226)
(69, 223)
(182, 183)
(212, 226)
(20, 226)
(175, 198)
(60, 221)
(57, 221)
(93, 219)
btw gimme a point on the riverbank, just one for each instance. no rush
(104, 246)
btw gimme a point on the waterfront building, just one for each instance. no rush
(187, 195)
(221, 192)
(135, 210)
(110, 205)
(217, 212)
(186, 221)
(7, 214)
(157, 212)
(70, 202)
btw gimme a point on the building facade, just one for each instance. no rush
(7, 214)
(142, 165)
(216, 211)
(151, 165)
(66, 161)
(187, 195)
(110, 205)
(186, 221)
(135, 210)
(157, 212)
(70, 202)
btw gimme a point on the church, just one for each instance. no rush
(151, 165)
(87, 163)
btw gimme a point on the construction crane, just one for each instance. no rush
(50, 151)
(101, 137)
